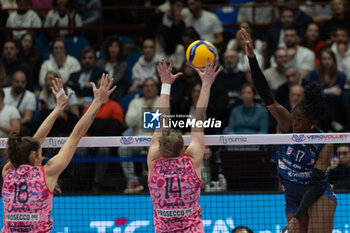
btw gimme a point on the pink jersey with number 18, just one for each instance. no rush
(175, 189)
(27, 200)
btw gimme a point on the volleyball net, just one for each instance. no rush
(104, 189)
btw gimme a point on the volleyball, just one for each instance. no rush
(199, 51)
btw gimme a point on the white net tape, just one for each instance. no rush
(210, 140)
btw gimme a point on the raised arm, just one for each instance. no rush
(61, 102)
(59, 162)
(167, 78)
(197, 145)
(281, 114)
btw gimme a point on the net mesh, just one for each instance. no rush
(104, 189)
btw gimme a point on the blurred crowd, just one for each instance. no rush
(295, 43)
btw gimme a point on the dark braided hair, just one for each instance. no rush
(19, 149)
(312, 104)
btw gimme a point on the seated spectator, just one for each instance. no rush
(248, 118)
(181, 85)
(12, 63)
(24, 100)
(296, 95)
(80, 81)
(133, 120)
(63, 15)
(145, 67)
(332, 83)
(299, 57)
(340, 17)
(339, 175)
(172, 19)
(241, 230)
(318, 13)
(23, 18)
(108, 122)
(226, 87)
(301, 19)
(167, 48)
(275, 76)
(341, 50)
(206, 23)
(259, 45)
(30, 55)
(59, 61)
(312, 40)
(48, 100)
(10, 120)
(115, 65)
(293, 78)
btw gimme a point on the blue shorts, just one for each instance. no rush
(294, 192)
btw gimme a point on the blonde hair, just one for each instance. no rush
(171, 143)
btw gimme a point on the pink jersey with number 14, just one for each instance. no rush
(27, 200)
(175, 189)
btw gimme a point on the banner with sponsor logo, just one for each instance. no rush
(263, 213)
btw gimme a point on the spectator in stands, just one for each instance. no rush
(341, 17)
(30, 55)
(167, 48)
(226, 87)
(23, 18)
(205, 23)
(259, 45)
(241, 229)
(275, 76)
(332, 82)
(59, 61)
(181, 85)
(115, 65)
(48, 100)
(12, 63)
(248, 118)
(24, 100)
(301, 19)
(301, 58)
(172, 19)
(293, 78)
(9, 118)
(90, 17)
(133, 120)
(190, 35)
(312, 41)
(145, 67)
(63, 15)
(339, 175)
(243, 63)
(296, 94)
(80, 81)
(275, 36)
(341, 49)
(108, 122)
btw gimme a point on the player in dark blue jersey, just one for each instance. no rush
(303, 169)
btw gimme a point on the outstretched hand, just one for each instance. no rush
(102, 93)
(165, 73)
(293, 226)
(209, 73)
(61, 98)
(249, 49)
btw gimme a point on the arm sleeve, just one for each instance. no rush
(311, 194)
(260, 82)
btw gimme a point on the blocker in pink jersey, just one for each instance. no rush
(27, 200)
(174, 174)
(175, 189)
